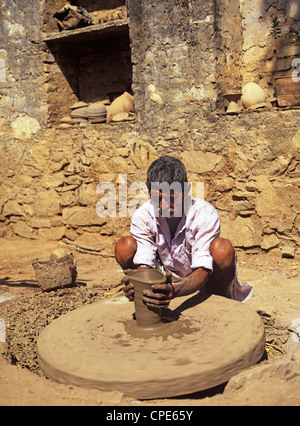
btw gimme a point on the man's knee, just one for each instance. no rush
(125, 250)
(222, 252)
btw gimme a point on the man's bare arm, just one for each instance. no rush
(161, 295)
(191, 283)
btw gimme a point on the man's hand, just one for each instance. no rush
(128, 288)
(159, 296)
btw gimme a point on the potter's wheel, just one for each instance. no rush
(210, 340)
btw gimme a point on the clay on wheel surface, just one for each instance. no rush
(214, 339)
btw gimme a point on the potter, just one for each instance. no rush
(187, 247)
(201, 343)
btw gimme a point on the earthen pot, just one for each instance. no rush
(252, 94)
(124, 103)
(79, 104)
(96, 109)
(143, 279)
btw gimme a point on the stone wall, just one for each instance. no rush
(185, 56)
(23, 109)
(174, 65)
(250, 174)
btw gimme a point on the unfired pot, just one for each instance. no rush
(143, 279)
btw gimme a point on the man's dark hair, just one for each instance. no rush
(166, 169)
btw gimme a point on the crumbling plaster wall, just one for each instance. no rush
(249, 162)
(258, 50)
(23, 111)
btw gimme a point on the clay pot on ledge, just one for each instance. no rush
(233, 106)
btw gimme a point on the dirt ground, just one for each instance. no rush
(26, 310)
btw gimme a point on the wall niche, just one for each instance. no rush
(86, 64)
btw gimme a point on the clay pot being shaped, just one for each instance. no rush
(143, 279)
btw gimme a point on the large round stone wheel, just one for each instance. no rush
(210, 340)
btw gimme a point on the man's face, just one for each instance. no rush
(169, 204)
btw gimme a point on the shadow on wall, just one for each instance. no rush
(228, 48)
(288, 14)
(89, 71)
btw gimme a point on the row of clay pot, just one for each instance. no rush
(121, 109)
(94, 113)
(252, 97)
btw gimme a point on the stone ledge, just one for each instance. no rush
(90, 32)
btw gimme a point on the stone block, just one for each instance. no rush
(283, 368)
(24, 127)
(86, 195)
(81, 216)
(242, 232)
(269, 242)
(22, 229)
(47, 203)
(40, 155)
(25, 181)
(288, 250)
(52, 181)
(12, 207)
(41, 222)
(111, 163)
(273, 209)
(73, 180)
(67, 198)
(294, 10)
(51, 234)
(142, 154)
(97, 242)
(200, 161)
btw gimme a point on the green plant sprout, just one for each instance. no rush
(296, 34)
(275, 33)
(275, 30)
